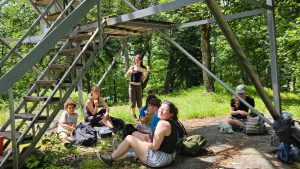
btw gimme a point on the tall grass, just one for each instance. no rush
(196, 103)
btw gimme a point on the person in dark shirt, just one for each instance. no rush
(100, 116)
(161, 150)
(137, 76)
(238, 110)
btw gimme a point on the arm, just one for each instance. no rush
(68, 126)
(146, 75)
(103, 103)
(236, 112)
(129, 71)
(89, 105)
(143, 119)
(163, 129)
(63, 121)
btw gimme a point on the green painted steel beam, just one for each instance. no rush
(18, 71)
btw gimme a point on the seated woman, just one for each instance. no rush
(67, 123)
(95, 116)
(238, 110)
(161, 150)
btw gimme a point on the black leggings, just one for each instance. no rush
(95, 119)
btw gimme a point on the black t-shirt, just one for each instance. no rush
(242, 106)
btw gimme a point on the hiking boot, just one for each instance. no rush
(107, 159)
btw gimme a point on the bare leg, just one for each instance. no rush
(107, 121)
(139, 147)
(64, 137)
(141, 136)
(235, 122)
(133, 113)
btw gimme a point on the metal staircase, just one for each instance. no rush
(45, 98)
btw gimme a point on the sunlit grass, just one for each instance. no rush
(196, 103)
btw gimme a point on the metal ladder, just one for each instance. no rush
(55, 83)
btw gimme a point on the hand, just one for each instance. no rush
(148, 69)
(242, 112)
(96, 103)
(131, 69)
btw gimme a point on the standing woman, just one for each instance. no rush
(161, 150)
(137, 76)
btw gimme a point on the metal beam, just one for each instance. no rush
(3, 3)
(274, 59)
(151, 11)
(215, 10)
(17, 72)
(106, 72)
(212, 75)
(15, 151)
(227, 17)
(27, 33)
(16, 53)
(259, 4)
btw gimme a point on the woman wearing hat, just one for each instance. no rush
(238, 110)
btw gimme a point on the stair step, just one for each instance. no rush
(70, 52)
(52, 17)
(81, 36)
(30, 116)
(63, 66)
(7, 135)
(45, 82)
(40, 98)
(42, 2)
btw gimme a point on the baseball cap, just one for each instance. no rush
(241, 89)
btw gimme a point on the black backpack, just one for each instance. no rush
(84, 135)
(128, 130)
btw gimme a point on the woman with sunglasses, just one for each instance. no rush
(161, 150)
(137, 76)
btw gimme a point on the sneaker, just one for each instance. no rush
(67, 145)
(107, 159)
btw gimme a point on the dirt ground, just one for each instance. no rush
(228, 151)
(235, 150)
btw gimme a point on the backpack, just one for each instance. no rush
(128, 130)
(84, 135)
(255, 125)
(286, 131)
(192, 145)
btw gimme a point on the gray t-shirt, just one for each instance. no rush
(66, 118)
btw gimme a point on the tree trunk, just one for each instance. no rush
(170, 78)
(206, 57)
(292, 85)
(125, 51)
(148, 50)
